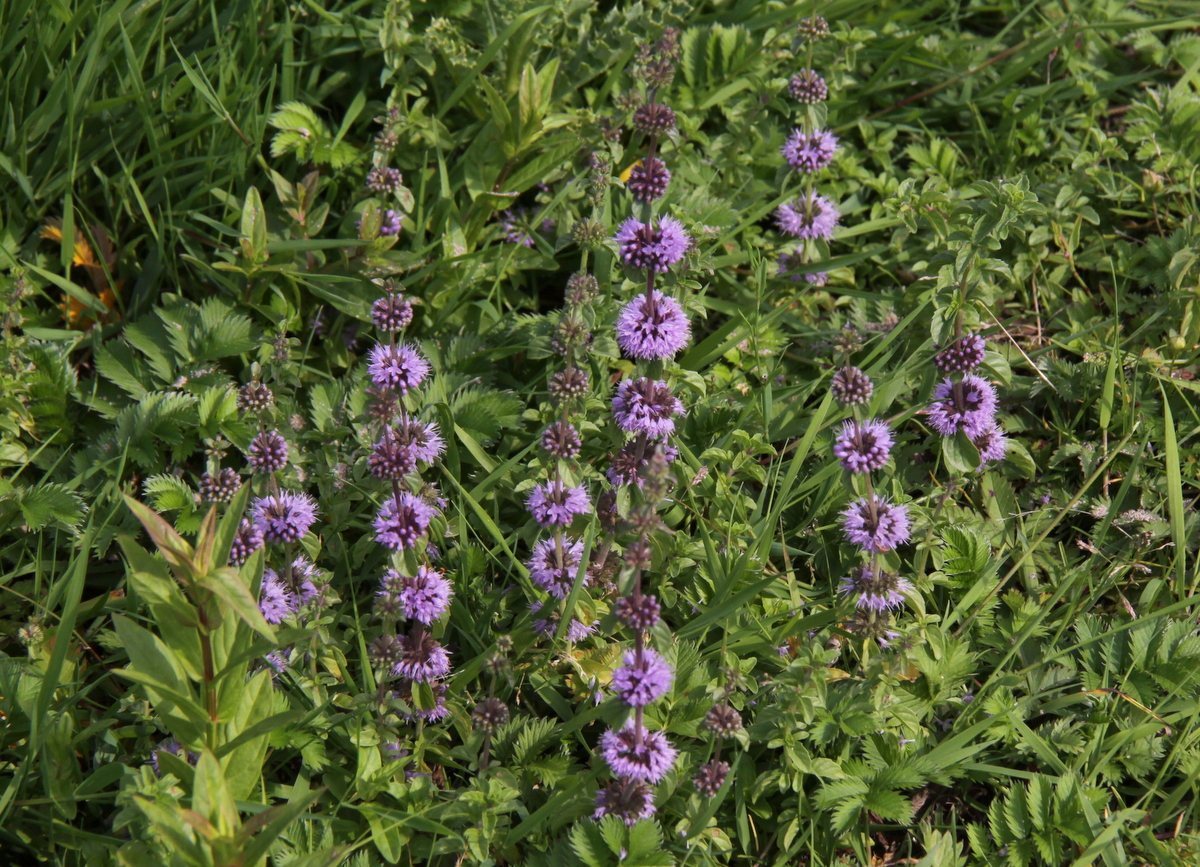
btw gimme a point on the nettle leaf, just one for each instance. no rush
(484, 413)
(45, 504)
(168, 493)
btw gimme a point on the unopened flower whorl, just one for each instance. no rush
(220, 488)
(808, 88)
(638, 612)
(644, 678)
(710, 777)
(268, 452)
(561, 440)
(392, 313)
(490, 714)
(863, 446)
(391, 459)
(722, 720)
(652, 328)
(877, 525)
(810, 151)
(569, 384)
(553, 502)
(629, 800)
(635, 754)
(247, 540)
(850, 386)
(962, 355)
(402, 520)
(398, 367)
(383, 179)
(284, 517)
(254, 397)
(814, 28)
(649, 180)
(654, 117)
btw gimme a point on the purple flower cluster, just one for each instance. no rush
(808, 218)
(967, 405)
(644, 678)
(283, 517)
(402, 520)
(554, 565)
(863, 446)
(646, 406)
(553, 502)
(636, 754)
(810, 151)
(397, 367)
(875, 524)
(652, 327)
(646, 247)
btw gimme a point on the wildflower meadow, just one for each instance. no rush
(595, 433)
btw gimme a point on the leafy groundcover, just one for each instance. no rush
(599, 433)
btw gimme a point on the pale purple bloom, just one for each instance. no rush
(880, 528)
(815, 217)
(284, 517)
(391, 222)
(628, 800)
(553, 502)
(643, 679)
(425, 595)
(637, 754)
(392, 312)
(275, 600)
(421, 658)
(398, 367)
(810, 151)
(646, 406)
(278, 661)
(873, 590)
(391, 459)
(968, 405)
(789, 265)
(423, 440)
(553, 574)
(643, 246)
(863, 446)
(402, 520)
(992, 444)
(655, 327)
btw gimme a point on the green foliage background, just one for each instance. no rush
(1043, 706)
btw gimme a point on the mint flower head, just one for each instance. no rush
(810, 151)
(643, 679)
(284, 517)
(876, 524)
(807, 218)
(398, 367)
(636, 754)
(554, 503)
(875, 590)
(652, 327)
(642, 245)
(968, 405)
(554, 565)
(863, 446)
(402, 520)
(628, 799)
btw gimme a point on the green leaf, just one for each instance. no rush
(226, 584)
